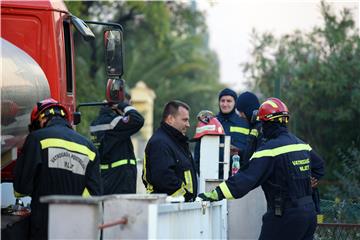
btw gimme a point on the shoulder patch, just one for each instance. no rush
(126, 119)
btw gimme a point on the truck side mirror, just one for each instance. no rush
(82, 28)
(77, 117)
(113, 52)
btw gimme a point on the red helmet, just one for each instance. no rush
(208, 125)
(115, 90)
(273, 109)
(48, 107)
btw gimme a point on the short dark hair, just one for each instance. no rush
(172, 108)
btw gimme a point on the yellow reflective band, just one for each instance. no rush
(188, 181)
(52, 111)
(320, 218)
(271, 103)
(118, 163)
(180, 192)
(144, 170)
(239, 130)
(281, 150)
(86, 193)
(71, 146)
(304, 168)
(149, 187)
(19, 195)
(122, 162)
(254, 132)
(301, 162)
(225, 191)
(104, 166)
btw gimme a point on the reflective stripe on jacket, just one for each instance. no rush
(168, 166)
(282, 161)
(236, 127)
(112, 134)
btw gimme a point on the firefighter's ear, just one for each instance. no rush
(170, 119)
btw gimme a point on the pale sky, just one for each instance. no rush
(230, 24)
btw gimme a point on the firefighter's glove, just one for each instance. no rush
(212, 196)
(122, 105)
(256, 130)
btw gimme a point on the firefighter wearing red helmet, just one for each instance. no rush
(273, 109)
(283, 166)
(55, 160)
(111, 132)
(43, 110)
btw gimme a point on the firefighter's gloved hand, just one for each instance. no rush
(122, 105)
(212, 196)
(256, 130)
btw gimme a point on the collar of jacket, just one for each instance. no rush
(58, 121)
(174, 133)
(273, 129)
(231, 116)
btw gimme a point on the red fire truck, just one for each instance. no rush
(38, 62)
(37, 53)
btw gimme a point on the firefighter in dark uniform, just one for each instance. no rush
(111, 132)
(168, 163)
(246, 104)
(234, 126)
(282, 167)
(54, 160)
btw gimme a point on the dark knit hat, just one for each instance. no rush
(247, 102)
(228, 92)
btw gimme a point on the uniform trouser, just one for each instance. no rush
(295, 224)
(39, 221)
(120, 179)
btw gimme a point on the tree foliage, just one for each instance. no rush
(165, 46)
(348, 174)
(320, 81)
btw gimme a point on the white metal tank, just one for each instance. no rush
(23, 83)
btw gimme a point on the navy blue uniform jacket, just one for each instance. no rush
(236, 127)
(282, 161)
(55, 160)
(111, 133)
(168, 164)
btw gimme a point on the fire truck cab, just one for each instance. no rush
(38, 62)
